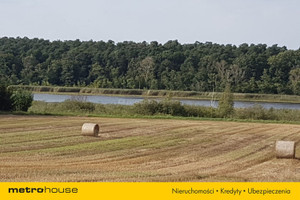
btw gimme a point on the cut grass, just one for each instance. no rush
(53, 149)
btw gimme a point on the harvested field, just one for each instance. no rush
(48, 148)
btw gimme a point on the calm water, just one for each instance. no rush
(133, 100)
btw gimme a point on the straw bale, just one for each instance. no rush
(90, 129)
(285, 149)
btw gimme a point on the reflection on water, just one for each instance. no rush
(133, 100)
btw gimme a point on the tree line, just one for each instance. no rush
(249, 68)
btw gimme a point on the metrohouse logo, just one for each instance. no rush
(52, 190)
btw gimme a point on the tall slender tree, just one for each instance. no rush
(226, 104)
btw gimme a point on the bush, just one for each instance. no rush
(167, 106)
(41, 107)
(77, 106)
(287, 114)
(21, 100)
(5, 102)
(15, 100)
(257, 112)
(170, 107)
(226, 104)
(200, 111)
(147, 107)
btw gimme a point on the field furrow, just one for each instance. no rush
(51, 148)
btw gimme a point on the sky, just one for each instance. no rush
(219, 21)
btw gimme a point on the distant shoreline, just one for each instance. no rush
(252, 97)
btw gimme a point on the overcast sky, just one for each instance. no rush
(218, 21)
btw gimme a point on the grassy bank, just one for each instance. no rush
(161, 93)
(163, 109)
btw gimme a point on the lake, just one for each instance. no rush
(132, 100)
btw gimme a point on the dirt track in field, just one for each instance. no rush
(47, 148)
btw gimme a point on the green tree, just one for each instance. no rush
(21, 100)
(54, 72)
(5, 102)
(226, 104)
(145, 72)
(29, 74)
(295, 80)
(265, 84)
(199, 66)
(280, 67)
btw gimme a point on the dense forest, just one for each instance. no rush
(170, 66)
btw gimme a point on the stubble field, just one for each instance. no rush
(49, 148)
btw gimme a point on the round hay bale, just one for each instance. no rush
(90, 129)
(285, 149)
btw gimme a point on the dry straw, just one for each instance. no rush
(285, 149)
(90, 129)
